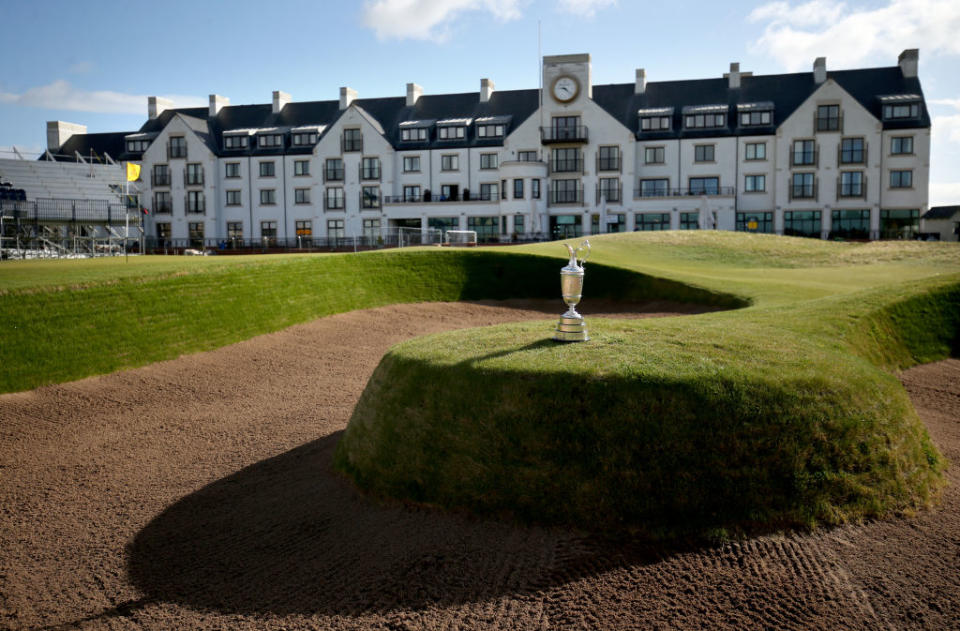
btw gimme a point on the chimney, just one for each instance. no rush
(279, 100)
(347, 96)
(486, 90)
(156, 105)
(734, 76)
(641, 85)
(414, 92)
(217, 103)
(820, 70)
(59, 132)
(909, 60)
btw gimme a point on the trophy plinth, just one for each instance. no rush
(571, 327)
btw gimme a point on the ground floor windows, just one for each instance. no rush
(613, 222)
(335, 229)
(850, 224)
(304, 229)
(755, 222)
(651, 221)
(234, 233)
(565, 226)
(899, 223)
(802, 223)
(443, 223)
(268, 233)
(371, 229)
(689, 221)
(195, 233)
(487, 228)
(519, 224)
(163, 232)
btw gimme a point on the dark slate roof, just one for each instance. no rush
(941, 212)
(92, 146)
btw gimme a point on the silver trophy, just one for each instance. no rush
(571, 327)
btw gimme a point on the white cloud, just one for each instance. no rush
(585, 8)
(62, 95)
(81, 67)
(944, 193)
(428, 19)
(847, 37)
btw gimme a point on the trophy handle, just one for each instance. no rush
(573, 254)
(582, 252)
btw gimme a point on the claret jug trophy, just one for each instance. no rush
(571, 327)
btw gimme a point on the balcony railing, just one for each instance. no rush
(176, 151)
(426, 198)
(369, 201)
(710, 191)
(828, 123)
(197, 207)
(369, 173)
(335, 203)
(852, 190)
(803, 191)
(162, 207)
(852, 156)
(613, 195)
(609, 164)
(193, 179)
(563, 134)
(805, 158)
(565, 196)
(333, 175)
(566, 165)
(160, 179)
(351, 144)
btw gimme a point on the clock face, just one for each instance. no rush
(565, 89)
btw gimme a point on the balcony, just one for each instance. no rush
(369, 173)
(160, 179)
(565, 165)
(803, 191)
(164, 207)
(561, 196)
(333, 175)
(805, 158)
(612, 195)
(609, 164)
(552, 135)
(852, 156)
(351, 143)
(369, 201)
(199, 207)
(653, 193)
(828, 123)
(193, 179)
(856, 189)
(428, 198)
(176, 151)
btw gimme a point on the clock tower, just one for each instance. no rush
(566, 80)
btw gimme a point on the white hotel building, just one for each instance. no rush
(841, 154)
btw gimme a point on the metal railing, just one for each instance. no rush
(803, 191)
(718, 191)
(611, 194)
(193, 179)
(852, 189)
(565, 165)
(351, 144)
(852, 156)
(565, 195)
(578, 133)
(369, 202)
(827, 123)
(176, 151)
(369, 173)
(333, 175)
(805, 158)
(160, 179)
(66, 210)
(426, 198)
(609, 164)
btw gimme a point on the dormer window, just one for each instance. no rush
(489, 131)
(137, 146)
(411, 134)
(704, 116)
(656, 119)
(304, 139)
(236, 142)
(458, 132)
(755, 114)
(901, 110)
(270, 140)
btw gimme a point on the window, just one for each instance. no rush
(443, 223)
(334, 198)
(901, 110)
(901, 145)
(518, 188)
(489, 192)
(408, 134)
(449, 192)
(301, 167)
(301, 195)
(755, 183)
(750, 119)
(411, 164)
(163, 231)
(653, 155)
(452, 133)
(487, 228)
(235, 141)
(704, 153)
(335, 229)
(268, 169)
(177, 147)
(162, 202)
(804, 152)
(565, 226)
(901, 179)
(233, 198)
(194, 174)
(371, 229)
(899, 223)
(655, 123)
(268, 232)
(411, 193)
(697, 121)
(370, 169)
(304, 231)
(268, 197)
(270, 140)
(137, 146)
(333, 170)
(801, 223)
(756, 151)
(609, 189)
(689, 221)
(704, 186)
(755, 222)
(565, 161)
(489, 160)
(450, 162)
(195, 232)
(535, 188)
(370, 197)
(851, 184)
(161, 175)
(305, 139)
(654, 188)
(565, 192)
(851, 151)
(850, 224)
(503, 189)
(487, 131)
(231, 169)
(566, 128)
(352, 140)
(828, 118)
(522, 156)
(608, 158)
(235, 230)
(196, 203)
(651, 221)
(802, 186)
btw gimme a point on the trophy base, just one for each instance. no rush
(571, 329)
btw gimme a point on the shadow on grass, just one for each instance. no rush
(290, 536)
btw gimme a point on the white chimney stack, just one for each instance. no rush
(909, 61)
(217, 103)
(734, 75)
(279, 100)
(486, 90)
(414, 92)
(156, 105)
(347, 96)
(820, 70)
(59, 132)
(641, 85)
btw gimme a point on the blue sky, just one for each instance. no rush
(95, 62)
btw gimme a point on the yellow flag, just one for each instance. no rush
(133, 172)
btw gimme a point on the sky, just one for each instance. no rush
(94, 62)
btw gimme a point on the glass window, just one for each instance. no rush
(333, 170)
(851, 184)
(408, 134)
(270, 140)
(609, 189)
(334, 198)
(900, 145)
(802, 186)
(163, 231)
(161, 175)
(565, 192)
(411, 193)
(489, 192)
(804, 152)
(370, 197)
(450, 162)
(162, 202)
(411, 164)
(487, 131)
(828, 118)
(525, 156)
(703, 153)
(901, 110)
(231, 169)
(697, 121)
(655, 123)
(653, 155)
(196, 202)
(488, 161)
(268, 168)
(704, 186)
(194, 174)
(802, 223)
(268, 232)
(608, 158)
(689, 221)
(304, 229)
(756, 151)
(301, 196)
(335, 229)
(233, 198)
(565, 226)
(899, 223)
(651, 221)
(850, 224)
(755, 183)
(301, 167)
(518, 188)
(177, 147)
(268, 197)
(535, 188)
(352, 140)
(851, 151)
(566, 161)
(195, 232)
(756, 118)
(755, 222)
(901, 179)
(519, 224)
(370, 169)
(371, 228)
(654, 188)
(452, 133)
(487, 228)
(236, 142)
(235, 230)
